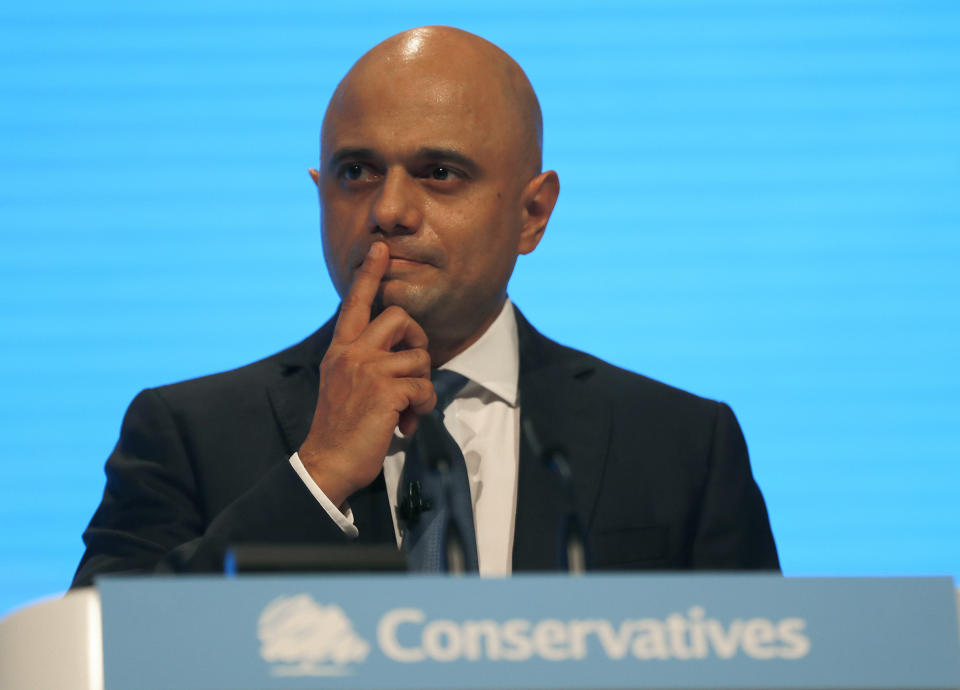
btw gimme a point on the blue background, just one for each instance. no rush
(760, 203)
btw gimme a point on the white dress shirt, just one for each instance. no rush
(484, 420)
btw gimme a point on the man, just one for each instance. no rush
(430, 186)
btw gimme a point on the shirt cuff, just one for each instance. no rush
(343, 516)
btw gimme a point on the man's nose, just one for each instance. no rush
(396, 209)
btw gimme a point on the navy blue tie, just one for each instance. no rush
(434, 505)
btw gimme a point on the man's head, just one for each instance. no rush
(432, 144)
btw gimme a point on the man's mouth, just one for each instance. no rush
(403, 260)
(400, 259)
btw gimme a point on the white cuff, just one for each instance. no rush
(344, 517)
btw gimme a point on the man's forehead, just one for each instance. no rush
(438, 113)
(433, 150)
(371, 88)
(384, 93)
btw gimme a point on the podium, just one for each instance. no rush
(407, 631)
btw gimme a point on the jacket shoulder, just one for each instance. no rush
(246, 384)
(625, 389)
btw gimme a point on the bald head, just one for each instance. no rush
(444, 63)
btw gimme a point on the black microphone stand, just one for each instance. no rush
(573, 553)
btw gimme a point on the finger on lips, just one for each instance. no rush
(376, 342)
(355, 313)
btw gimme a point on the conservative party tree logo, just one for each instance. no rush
(303, 638)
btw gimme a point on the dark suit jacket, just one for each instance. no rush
(662, 479)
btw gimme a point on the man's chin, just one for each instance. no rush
(413, 299)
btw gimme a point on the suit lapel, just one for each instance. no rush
(293, 394)
(556, 400)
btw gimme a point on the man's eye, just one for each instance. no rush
(440, 173)
(354, 171)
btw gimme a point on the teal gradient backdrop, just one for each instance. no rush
(760, 203)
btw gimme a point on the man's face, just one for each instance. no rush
(425, 164)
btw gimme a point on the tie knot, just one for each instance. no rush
(446, 384)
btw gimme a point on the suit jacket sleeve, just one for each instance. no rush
(155, 516)
(733, 529)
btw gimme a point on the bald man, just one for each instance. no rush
(430, 187)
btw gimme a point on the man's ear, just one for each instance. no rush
(539, 198)
(315, 175)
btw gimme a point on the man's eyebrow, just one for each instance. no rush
(432, 153)
(348, 154)
(450, 156)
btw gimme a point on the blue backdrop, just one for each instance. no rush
(760, 203)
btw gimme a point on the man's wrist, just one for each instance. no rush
(332, 483)
(340, 512)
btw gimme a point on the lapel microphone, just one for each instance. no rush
(572, 549)
(413, 504)
(428, 437)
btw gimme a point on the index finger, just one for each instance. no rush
(355, 312)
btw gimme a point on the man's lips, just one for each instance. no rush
(401, 268)
(404, 261)
(400, 260)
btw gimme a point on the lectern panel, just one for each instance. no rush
(698, 631)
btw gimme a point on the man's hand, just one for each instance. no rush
(366, 388)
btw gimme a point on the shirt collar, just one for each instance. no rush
(493, 361)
